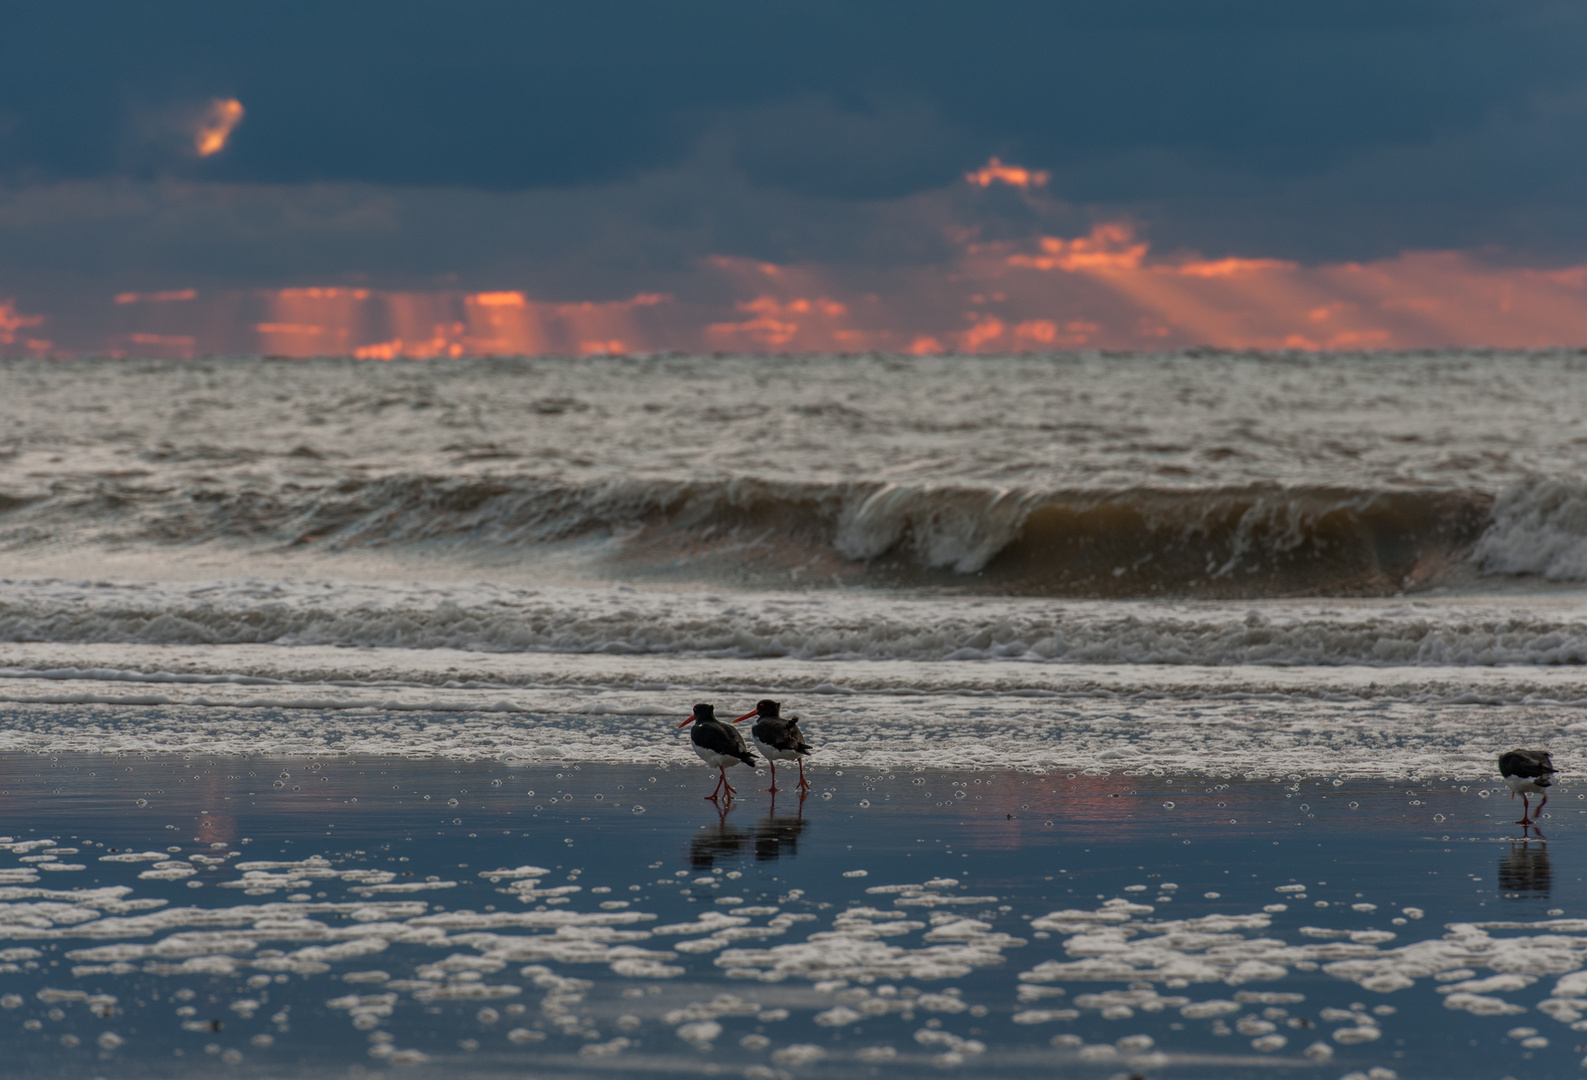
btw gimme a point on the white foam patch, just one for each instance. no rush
(1120, 942)
(854, 949)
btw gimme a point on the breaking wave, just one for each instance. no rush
(1539, 529)
(1220, 542)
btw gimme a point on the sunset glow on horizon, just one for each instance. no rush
(167, 296)
(12, 320)
(381, 325)
(1104, 288)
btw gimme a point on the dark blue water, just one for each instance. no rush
(785, 978)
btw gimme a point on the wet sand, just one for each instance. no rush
(381, 916)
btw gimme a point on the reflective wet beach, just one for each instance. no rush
(252, 916)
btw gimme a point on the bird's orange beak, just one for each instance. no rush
(746, 716)
(685, 723)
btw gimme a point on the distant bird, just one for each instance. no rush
(779, 738)
(1527, 773)
(719, 745)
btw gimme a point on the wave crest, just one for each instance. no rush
(1539, 528)
(1220, 542)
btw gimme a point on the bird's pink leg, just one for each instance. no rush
(773, 765)
(717, 788)
(1526, 810)
(804, 785)
(1541, 805)
(731, 790)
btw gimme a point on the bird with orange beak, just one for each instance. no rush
(779, 738)
(719, 745)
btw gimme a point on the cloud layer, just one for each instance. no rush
(890, 158)
(992, 289)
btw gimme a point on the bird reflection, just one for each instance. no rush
(776, 836)
(1525, 869)
(721, 842)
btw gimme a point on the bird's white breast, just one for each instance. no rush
(713, 759)
(773, 752)
(1524, 785)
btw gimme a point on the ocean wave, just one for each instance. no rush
(1217, 542)
(831, 625)
(1539, 529)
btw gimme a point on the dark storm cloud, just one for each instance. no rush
(858, 100)
(586, 148)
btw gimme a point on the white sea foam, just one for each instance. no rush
(1231, 722)
(856, 965)
(483, 618)
(1539, 528)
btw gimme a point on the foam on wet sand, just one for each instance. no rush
(295, 951)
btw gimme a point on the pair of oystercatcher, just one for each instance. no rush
(720, 745)
(1527, 773)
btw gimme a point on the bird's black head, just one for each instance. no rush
(703, 713)
(767, 707)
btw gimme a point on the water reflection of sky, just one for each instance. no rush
(589, 920)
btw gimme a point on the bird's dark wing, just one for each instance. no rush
(781, 734)
(799, 737)
(722, 738)
(1529, 764)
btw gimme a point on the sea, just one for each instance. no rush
(1156, 702)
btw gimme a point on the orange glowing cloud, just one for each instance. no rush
(1037, 331)
(499, 299)
(1102, 290)
(995, 172)
(1105, 289)
(11, 320)
(376, 325)
(215, 126)
(987, 330)
(156, 297)
(1231, 267)
(761, 330)
(1415, 300)
(1109, 247)
(795, 319)
(172, 345)
(300, 329)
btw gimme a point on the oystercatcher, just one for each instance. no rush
(718, 744)
(779, 738)
(1527, 773)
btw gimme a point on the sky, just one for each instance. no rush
(425, 179)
